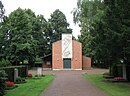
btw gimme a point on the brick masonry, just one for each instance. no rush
(86, 62)
(57, 62)
(76, 61)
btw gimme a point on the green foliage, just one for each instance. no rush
(116, 70)
(23, 35)
(40, 29)
(4, 63)
(25, 62)
(104, 30)
(20, 80)
(2, 11)
(53, 30)
(59, 25)
(3, 78)
(21, 40)
(38, 60)
(22, 71)
(2, 43)
(86, 14)
(110, 31)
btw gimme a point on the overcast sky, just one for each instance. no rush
(45, 7)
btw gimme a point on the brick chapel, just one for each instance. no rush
(66, 55)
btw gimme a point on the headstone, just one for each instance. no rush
(124, 71)
(39, 71)
(26, 71)
(15, 74)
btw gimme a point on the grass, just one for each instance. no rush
(112, 88)
(33, 87)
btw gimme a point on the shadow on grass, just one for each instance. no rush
(113, 89)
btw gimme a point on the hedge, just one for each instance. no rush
(22, 71)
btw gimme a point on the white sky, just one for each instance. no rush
(46, 8)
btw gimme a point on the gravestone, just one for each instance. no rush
(15, 74)
(124, 71)
(39, 71)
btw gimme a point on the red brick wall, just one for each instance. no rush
(86, 62)
(57, 62)
(76, 61)
(46, 66)
(77, 55)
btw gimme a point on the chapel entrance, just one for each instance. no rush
(67, 63)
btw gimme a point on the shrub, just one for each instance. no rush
(22, 71)
(4, 63)
(119, 78)
(3, 77)
(30, 75)
(20, 80)
(10, 84)
(36, 75)
(43, 75)
(38, 60)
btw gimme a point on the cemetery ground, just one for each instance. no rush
(36, 86)
(112, 88)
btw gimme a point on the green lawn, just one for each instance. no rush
(112, 88)
(33, 87)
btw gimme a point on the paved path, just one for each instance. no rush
(71, 83)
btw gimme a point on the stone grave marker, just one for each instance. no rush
(39, 71)
(15, 74)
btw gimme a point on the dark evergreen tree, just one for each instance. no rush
(59, 25)
(2, 11)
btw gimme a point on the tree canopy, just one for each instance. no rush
(104, 29)
(2, 11)
(59, 25)
(25, 37)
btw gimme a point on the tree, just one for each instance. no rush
(3, 37)
(59, 25)
(105, 24)
(86, 15)
(22, 46)
(118, 24)
(3, 78)
(2, 11)
(39, 34)
(25, 36)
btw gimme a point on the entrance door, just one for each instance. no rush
(67, 63)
